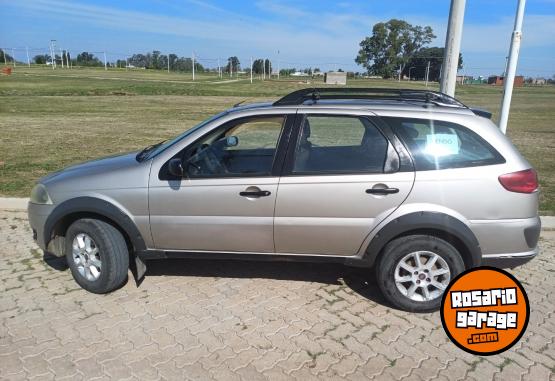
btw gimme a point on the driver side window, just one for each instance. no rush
(240, 148)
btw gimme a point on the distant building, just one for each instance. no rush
(462, 79)
(538, 81)
(498, 80)
(335, 78)
(299, 74)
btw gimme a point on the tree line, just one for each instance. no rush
(397, 48)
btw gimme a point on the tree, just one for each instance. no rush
(87, 59)
(420, 60)
(233, 63)
(287, 72)
(391, 46)
(41, 59)
(5, 57)
(257, 66)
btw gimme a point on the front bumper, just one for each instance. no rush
(505, 261)
(37, 218)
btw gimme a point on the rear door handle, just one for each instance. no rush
(261, 193)
(382, 191)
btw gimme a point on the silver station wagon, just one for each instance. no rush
(412, 185)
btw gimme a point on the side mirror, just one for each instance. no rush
(175, 167)
(231, 141)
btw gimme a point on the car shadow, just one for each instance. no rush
(360, 280)
(57, 263)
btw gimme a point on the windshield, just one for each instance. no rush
(151, 151)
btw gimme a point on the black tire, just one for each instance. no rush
(396, 250)
(113, 253)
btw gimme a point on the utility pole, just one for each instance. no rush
(13, 56)
(264, 69)
(61, 57)
(28, 59)
(278, 65)
(105, 62)
(168, 62)
(251, 69)
(452, 47)
(193, 55)
(219, 69)
(427, 73)
(511, 67)
(52, 54)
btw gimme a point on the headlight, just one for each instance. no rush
(39, 195)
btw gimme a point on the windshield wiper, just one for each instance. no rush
(145, 151)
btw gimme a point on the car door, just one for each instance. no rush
(226, 200)
(341, 178)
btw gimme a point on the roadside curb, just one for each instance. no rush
(13, 203)
(20, 204)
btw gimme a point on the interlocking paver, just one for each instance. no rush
(241, 321)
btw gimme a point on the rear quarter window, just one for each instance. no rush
(436, 144)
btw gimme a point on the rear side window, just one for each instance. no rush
(330, 144)
(436, 144)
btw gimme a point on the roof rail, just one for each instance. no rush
(434, 97)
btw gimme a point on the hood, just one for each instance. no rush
(90, 168)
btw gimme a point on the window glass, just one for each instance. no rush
(244, 148)
(339, 144)
(437, 144)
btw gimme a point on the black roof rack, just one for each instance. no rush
(434, 97)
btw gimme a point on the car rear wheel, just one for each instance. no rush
(97, 255)
(415, 270)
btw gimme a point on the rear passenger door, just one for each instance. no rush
(341, 178)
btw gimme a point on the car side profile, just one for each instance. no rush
(411, 184)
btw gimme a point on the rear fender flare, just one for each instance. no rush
(425, 221)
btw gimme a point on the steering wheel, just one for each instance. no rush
(211, 160)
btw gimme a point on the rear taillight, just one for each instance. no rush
(522, 181)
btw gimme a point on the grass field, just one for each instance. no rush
(49, 119)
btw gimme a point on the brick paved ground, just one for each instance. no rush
(240, 320)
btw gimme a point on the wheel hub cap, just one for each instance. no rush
(422, 276)
(86, 257)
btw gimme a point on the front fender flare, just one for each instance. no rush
(96, 206)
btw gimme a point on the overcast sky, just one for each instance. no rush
(321, 33)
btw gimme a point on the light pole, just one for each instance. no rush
(509, 79)
(452, 47)
(410, 68)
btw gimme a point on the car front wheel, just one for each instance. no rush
(415, 270)
(97, 255)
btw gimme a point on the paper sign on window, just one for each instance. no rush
(442, 144)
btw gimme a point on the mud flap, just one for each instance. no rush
(138, 268)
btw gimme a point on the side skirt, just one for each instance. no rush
(166, 254)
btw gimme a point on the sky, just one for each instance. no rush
(298, 34)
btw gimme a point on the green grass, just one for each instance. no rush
(52, 118)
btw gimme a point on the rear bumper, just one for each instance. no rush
(507, 237)
(505, 261)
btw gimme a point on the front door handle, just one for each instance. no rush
(260, 193)
(382, 191)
